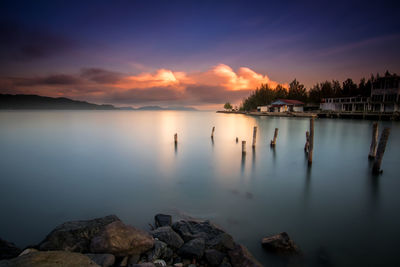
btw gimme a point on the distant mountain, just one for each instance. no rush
(166, 108)
(43, 102)
(126, 108)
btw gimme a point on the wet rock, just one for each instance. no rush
(75, 235)
(160, 263)
(133, 259)
(225, 264)
(104, 260)
(214, 257)
(8, 250)
(222, 242)
(167, 235)
(124, 262)
(163, 220)
(189, 230)
(241, 257)
(280, 243)
(179, 264)
(121, 240)
(160, 251)
(50, 259)
(193, 248)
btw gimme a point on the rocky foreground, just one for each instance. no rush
(107, 241)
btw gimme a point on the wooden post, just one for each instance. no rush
(273, 142)
(237, 139)
(376, 169)
(311, 143)
(374, 142)
(307, 145)
(176, 138)
(254, 136)
(212, 132)
(243, 147)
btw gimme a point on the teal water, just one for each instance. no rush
(57, 166)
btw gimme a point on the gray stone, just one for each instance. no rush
(241, 257)
(160, 251)
(280, 243)
(133, 259)
(167, 235)
(214, 257)
(8, 250)
(50, 259)
(75, 235)
(193, 248)
(121, 240)
(27, 251)
(104, 260)
(163, 220)
(189, 230)
(144, 264)
(160, 263)
(222, 242)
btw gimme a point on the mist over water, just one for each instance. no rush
(57, 166)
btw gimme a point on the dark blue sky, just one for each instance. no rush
(311, 40)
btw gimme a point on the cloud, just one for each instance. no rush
(22, 43)
(216, 85)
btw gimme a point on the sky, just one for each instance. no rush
(190, 53)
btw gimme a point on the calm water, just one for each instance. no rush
(66, 165)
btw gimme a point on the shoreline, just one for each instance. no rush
(386, 116)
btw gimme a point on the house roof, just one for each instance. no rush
(287, 102)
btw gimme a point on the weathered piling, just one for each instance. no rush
(254, 136)
(212, 132)
(273, 142)
(176, 138)
(311, 141)
(376, 169)
(374, 142)
(237, 140)
(307, 145)
(243, 147)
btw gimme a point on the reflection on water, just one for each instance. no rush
(59, 166)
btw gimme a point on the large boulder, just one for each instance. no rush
(214, 257)
(280, 243)
(167, 235)
(189, 230)
(121, 240)
(163, 220)
(160, 251)
(8, 250)
(241, 257)
(50, 259)
(75, 236)
(193, 248)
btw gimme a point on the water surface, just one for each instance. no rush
(57, 166)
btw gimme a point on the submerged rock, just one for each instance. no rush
(167, 235)
(104, 260)
(241, 257)
(163, 220)
(50, 259)
(121, 240)
(280, 243)
(193, 248)
(75, 236)
(8, 250)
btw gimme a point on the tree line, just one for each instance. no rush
(265, 95)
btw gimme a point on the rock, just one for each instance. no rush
(189, 230)
(104, 260)
(163, 220)
(241, 257)
(280, 243)
(27, 251)
(121, 240)
(167, 235)
(133, 259)
(160, 263)
(8, 250)
(75, 236)
(179, 264)
(225, 264)
(50, 259)
(214, 257)
(193, 248)
(160, 251)
(124, 262)
(145, 264)
(222, 242)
